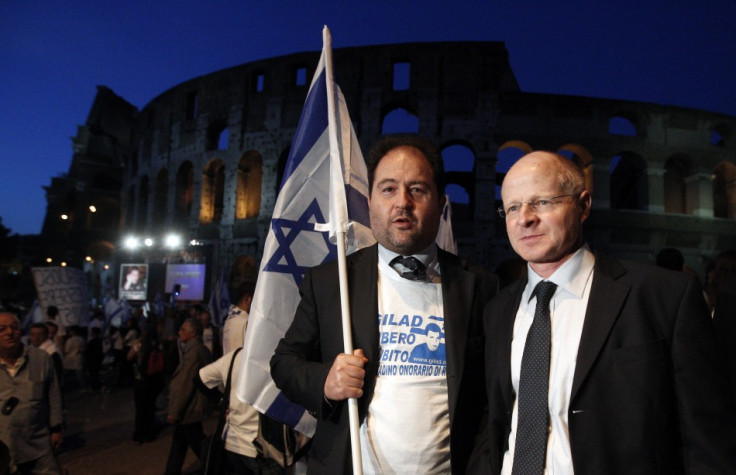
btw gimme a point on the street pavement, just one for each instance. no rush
(99, 437)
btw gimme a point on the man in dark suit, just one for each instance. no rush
(633, 382)
(414, 417)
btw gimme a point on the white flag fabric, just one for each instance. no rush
(299, 238)
(219, 302)
(445, 238)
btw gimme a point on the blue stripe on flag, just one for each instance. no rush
(285, 411)
(357, 206)
(312, 125)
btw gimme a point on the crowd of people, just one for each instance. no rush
(572, 361)
(153, 355)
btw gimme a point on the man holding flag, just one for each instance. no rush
(415, 417)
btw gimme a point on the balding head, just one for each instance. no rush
(545, 203)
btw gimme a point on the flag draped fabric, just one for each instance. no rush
(219, 302)
(315, 201)
(445, 238)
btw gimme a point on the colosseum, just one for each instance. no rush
(204, 158)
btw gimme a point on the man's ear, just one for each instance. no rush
(585, 202)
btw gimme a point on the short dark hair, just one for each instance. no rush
(52, 311)
(196, 325)
(247, 287)
(41, 326)
(427, 148)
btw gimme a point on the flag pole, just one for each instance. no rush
(335, 161)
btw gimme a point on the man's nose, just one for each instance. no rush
(404, 199)
(527, 214)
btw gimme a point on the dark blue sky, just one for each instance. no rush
(54, 54)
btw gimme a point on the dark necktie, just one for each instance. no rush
(532, 427)
(416, 270)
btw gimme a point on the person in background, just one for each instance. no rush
(93, 357)
(148, 381)
(186, 403)
(39, 337)
(236, 322)
(31, 417)
(74, 356)
(210, 334)
(241, 426)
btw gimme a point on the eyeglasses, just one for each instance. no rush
(540, 205)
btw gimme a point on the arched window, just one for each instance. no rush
(250, 175)
(621, 126)
(213, 192)
(629, 189)
(400, 120)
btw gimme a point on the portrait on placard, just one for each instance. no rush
(133, 281)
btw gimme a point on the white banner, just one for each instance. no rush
(65, 288)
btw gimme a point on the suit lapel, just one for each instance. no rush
(508, 307)
(457, 301)
(363, 278)
(607, 296)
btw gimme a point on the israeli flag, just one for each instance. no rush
(324, 190)
(219, 302)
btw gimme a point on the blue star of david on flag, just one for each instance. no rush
(283, 259)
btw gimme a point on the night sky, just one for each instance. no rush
(54, 54)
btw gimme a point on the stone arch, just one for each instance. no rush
(184, 193)
(160, 195)
(581, 157)
(623, 125)
(399, 119)
(676, 171)
(213, 192)
(724, 190)
(217, 135)
(248, 194)
(629, 187)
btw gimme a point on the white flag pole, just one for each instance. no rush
(341, 229)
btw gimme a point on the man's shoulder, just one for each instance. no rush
(636, 272)
(359, 257)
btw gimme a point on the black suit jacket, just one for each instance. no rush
(304, 356)
(647, 395)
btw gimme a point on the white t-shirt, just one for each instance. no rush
(233, 331)
(407, 427)
(242, 420)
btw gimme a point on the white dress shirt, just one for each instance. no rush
(567, 314)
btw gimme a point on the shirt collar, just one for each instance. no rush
(570, 276)
(428, 257)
